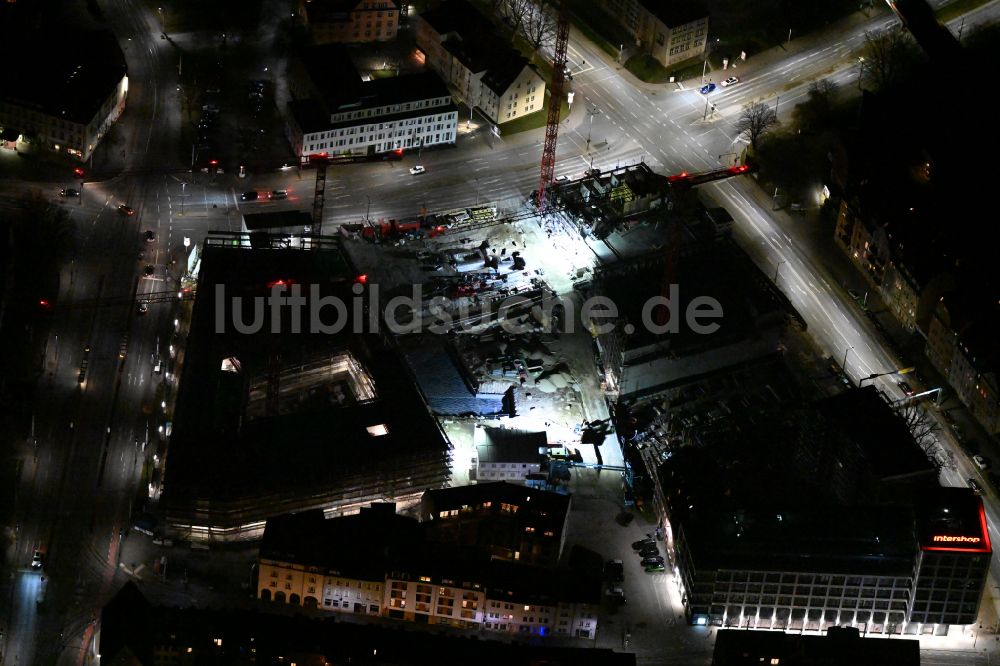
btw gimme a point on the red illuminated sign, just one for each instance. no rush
(959, 539)
(963, 543)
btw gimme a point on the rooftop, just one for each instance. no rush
(863, 415)
(72, 82)
(953, 519)
(279, 413)
(674, 14)
(509, 445)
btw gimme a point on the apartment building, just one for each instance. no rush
(864, 242)
(498, 521)
(481, 67)
(380, 563)
(335, 113)
(961, 344)
(64, 104)
(351, 21)
(669, 30)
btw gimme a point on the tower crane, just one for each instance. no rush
(555, 101)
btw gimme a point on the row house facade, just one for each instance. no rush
(418, 115)
(670, 32)
(66, 105)
(961, 344)
(413, 597)
(350, 21)
(482, 69)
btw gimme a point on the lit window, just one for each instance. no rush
(377, 430)
(218, 642)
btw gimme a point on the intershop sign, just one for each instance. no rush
(943, 538)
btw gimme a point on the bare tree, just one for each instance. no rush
(755, 121)
(924, 429)
(539, 26)
(888, 55)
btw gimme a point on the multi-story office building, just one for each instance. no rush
(487, 73)
(350, 21)
(336, 113)
(670, 31)
(284, 417)
(62, 104)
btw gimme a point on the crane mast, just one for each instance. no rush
(555, 101)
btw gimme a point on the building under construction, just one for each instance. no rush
(290, 417)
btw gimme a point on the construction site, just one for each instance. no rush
(465, 317)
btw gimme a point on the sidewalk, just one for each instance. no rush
(754, 63)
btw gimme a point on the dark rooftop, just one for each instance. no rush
(674, 14)
(293, 219)
(863, 415)
(329, 11)
(550, 506)
(509, 445)
(130, 626)
(717, 270)
(341, 407)
(458, 16)
(72, 82)
(840, 645)
(796, 537)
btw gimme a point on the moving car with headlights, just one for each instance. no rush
(732, 80)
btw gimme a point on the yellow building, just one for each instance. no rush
(351, 21)
(668, 30)
(483, 70)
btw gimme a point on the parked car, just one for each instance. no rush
(249, 196)
(417, 170)
(616, 594)
(905, 388)
(648, 541)
(126, 210)
(36, 560)
(68, 192)
(982, 462)
(656, 559)
(975, 485)
(655, 568)
(707, 88)
(614, 571)
(732, 80)
(649, 551)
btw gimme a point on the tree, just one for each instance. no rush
(539, 26)
(815, 113)
(924, 431)
(888, 57)
(755, 121)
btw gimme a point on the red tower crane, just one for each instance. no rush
(555, 101)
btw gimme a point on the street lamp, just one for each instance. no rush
(591, 111)
(900, 371)
(843, 365)
(861, 69)
(368, 218)
(776, 270)
(163, 25)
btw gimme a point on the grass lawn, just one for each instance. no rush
(647, 68)
(532, 121)
(955, 9)
(597, 26)
(382, 73)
